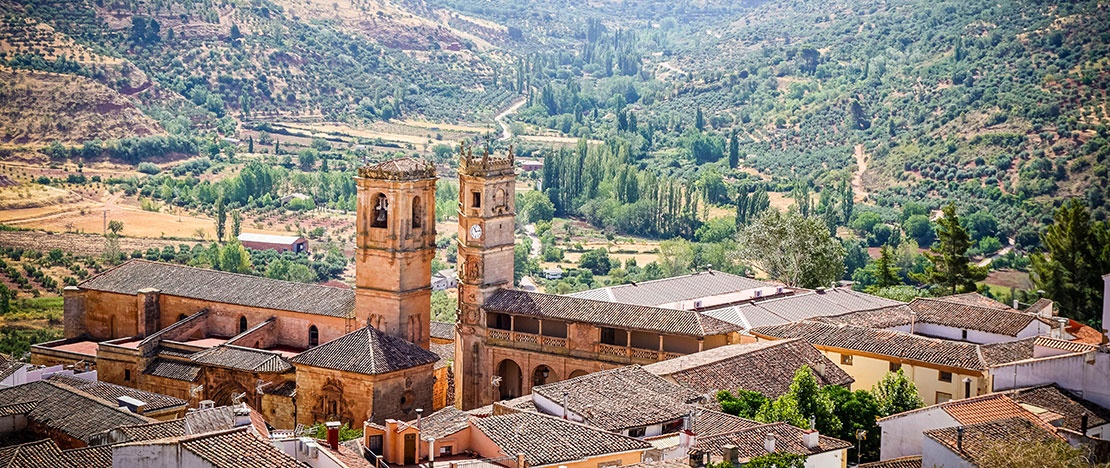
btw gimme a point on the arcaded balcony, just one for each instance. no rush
(611, 344)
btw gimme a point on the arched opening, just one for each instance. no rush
(500, 200)
(578, 373)
(242, 324)
(417, 213)
(380, 218)
(181, 317)
(542, 375)
(511, 379)
(313, 336)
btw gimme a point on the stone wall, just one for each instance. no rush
(327, 394)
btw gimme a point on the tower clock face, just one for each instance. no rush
(476, 231)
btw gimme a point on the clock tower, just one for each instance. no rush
(396, 240)
(487, 199)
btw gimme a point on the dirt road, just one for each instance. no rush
(506, 133)
(857, 178)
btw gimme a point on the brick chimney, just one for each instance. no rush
(333, 434)
(732, 454)
(811, 438)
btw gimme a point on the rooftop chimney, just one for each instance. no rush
(811, 438)
(1083, 420)
(566, 409)
(130, 404)
(333, 434)
(821, 290)
(242, 415)
(1063, 325)
(769, 442)
(731, 453)
(960, 439)
(206, 404)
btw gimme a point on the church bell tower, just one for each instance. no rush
(396, 238)
(487, 199)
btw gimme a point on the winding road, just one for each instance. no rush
(506, 133)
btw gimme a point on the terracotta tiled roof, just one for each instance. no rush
(613, 314)
(17, 408)
(110, 392)
(233, 448)
(668, 463)
(940, 311)
(151, 431)
(900, 462)
(545, 440)
(801, 306)
(88, 457)
(982, 438)
(69, 410)
(240, 358)
(366, 351)
(46, 454)
(974, 299)
(173, 369)
(884, 342)
(446, 353)
(983, 408)
(675, 289)
(224, 287)
(766, 367)
(442, 330)
(1064, 403)
(708, 422)
(1007, 351)
(749, 441)
(443, 423)
(622, 398)
(7, 368)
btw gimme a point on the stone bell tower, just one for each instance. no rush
(396, 238)
(487, 199)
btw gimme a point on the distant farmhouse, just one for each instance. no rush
(295, 244)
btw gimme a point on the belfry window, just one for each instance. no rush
(313, 336)
(380, 218)
(417, 213)
(475, 199)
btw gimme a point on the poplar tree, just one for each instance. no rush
(221, 218)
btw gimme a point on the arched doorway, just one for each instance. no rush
(578, 373)
(542, 375)
(511, 379)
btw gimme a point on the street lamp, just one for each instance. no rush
(860, 436)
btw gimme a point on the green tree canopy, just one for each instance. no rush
(1076, 255)
(793, 249)
(951, 269)
(896, 393)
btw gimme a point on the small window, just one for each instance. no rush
(476, 199)
(637, 432)
(945, 376)
(895, 366)
(943, 397)
(242, 324)
(127, 375)
(846, 359)
(313, 336)
(417, 213)
(963, 335)
(446, 451)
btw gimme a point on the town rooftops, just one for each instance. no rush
(399, 169)
(621, 398)
(981, 439)
(46, 454)
(979, 409)
(766, 367)
(964, 313)
(231, 448)
(800, 306)
(674, 289)
(750, 441)
(442, 330)
(546, 440)
(612, 314)
(443, 423)
(900, 462)
(240, 358)
(173, 369)
(219, 286)
(900, 345)
(707, 421)
(149, 431)
(68, 410)
(1070, 407)
(110, 392)
(366, 351)
(268, 238)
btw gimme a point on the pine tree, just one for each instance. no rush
(1070, 271)
(886, 270)
(950, 267)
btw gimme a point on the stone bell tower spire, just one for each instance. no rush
(487, 209)
(396, 239)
